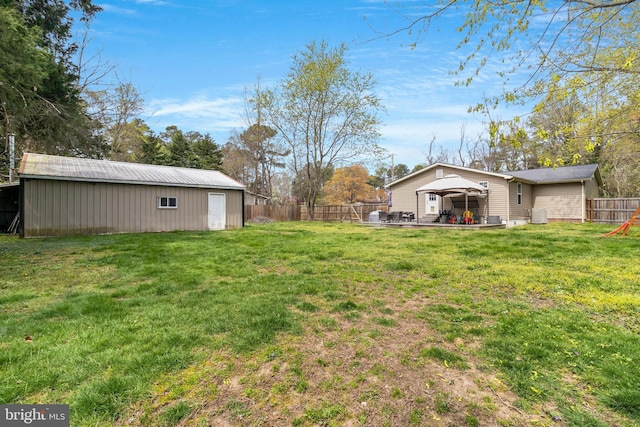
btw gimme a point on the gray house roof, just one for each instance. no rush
(76, 169)
(560, 174)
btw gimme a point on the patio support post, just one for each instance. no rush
(417, 208)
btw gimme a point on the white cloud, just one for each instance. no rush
(117, 10)
(153, 2)
(199, 113)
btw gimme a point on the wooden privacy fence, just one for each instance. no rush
(345, 213)
(276, 213)
(614, 211)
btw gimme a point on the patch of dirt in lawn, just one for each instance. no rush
(365, 365)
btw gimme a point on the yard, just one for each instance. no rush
(326, 324)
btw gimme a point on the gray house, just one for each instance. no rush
(65, 196)
(561, 193)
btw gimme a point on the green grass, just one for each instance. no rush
(556, 309)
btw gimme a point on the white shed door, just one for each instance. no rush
(431, 202)
(217, 211)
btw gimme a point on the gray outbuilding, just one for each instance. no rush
(71, 196)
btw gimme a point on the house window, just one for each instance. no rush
(485, 184)
(439, 173)
(167, 203)
(433, 197)
(519, 192)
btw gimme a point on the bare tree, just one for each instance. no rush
(115, 109)
(92, 69)
(463, 146)
(435, 153)
(256, 148)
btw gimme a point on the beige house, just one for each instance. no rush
(557, 194)
(67, 196)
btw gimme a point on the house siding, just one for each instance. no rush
(403, 196)
(562, 195)
(404, 193)
(56, 207)
(562, 202)
(520, 211)
(591, 189)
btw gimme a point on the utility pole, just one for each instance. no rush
(12, 144)
(393, 172)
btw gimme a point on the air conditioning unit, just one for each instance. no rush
(494, 219)
(538, 216)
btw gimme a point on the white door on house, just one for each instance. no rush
(217, 211)
(431, 203)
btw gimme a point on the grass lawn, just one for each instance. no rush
(326, 324)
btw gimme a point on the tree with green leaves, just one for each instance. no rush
(264, 156)
(324, 112)
(22, 62)
(255, 156)
(39, 99)
(180, 151)
(302, 181)
(583, 48)
(186, 150)
(208, 154)
(152, 149)
(380, 178)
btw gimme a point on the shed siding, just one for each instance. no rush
(54, 208)
(561, 201)
(404, 193)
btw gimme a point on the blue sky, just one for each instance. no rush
(192, 61)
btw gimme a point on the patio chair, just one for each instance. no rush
(408, 216)
(383, 217)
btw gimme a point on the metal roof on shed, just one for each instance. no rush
(90, 170)
(560, 174)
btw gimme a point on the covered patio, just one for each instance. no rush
(454, 188)
(462, 202)
(450, 201)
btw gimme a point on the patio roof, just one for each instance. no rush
(452, 184)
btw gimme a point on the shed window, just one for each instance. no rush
(519, 192)
(167, 203)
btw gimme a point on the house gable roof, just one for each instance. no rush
(558, 175)
(442, 165)
(90, 170)
(561, 174)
